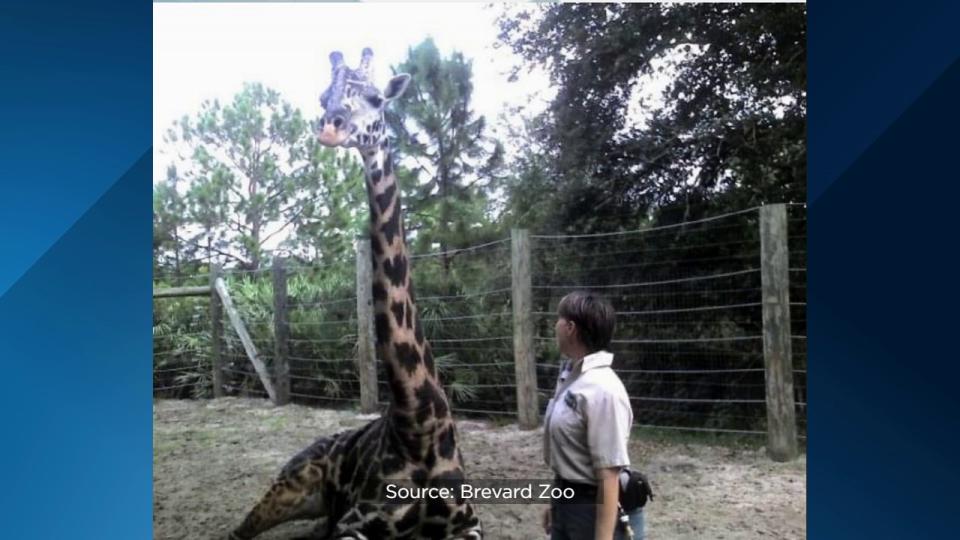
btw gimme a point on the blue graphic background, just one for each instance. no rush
(75, 307)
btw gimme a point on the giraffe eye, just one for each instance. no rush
(375, 101)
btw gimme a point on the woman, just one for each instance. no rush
(586, 427)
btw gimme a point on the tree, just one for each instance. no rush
(168, 223)
(448, 159)
(728, 129)
(256, 175)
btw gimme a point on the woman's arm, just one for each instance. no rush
(608, 495)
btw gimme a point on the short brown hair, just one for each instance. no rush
(593, 315)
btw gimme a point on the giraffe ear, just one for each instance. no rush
(396, 87)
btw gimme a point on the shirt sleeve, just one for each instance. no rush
(609, 419)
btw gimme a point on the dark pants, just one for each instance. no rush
(576, 519)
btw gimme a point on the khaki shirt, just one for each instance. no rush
(587, 423)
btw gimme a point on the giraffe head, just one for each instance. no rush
(353, 107)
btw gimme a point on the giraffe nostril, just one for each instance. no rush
(337, 122)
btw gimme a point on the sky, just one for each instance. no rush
(207, 51)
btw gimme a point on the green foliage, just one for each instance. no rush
(729, 130)
(254, 171)
(448, 163)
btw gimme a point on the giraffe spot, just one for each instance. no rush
(411, 443)
(375, 528)
(417, 329)
(397, 390)
(410, 519)
(412, 313)
(430, 400)
(408, 356)
(401, 423)
(391, 464)
(433, 530)
(379, 291)
(382, 324)
(388, 163)
(453, 480)
(391, 227)
(375, 244)
(375, 176)
(399, 310)
(385, 198)
(446, 443)
(428, 359)
(437, 507)
(396, 269)
(431, 459)
(419, 477)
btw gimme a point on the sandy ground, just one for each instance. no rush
(213, 459)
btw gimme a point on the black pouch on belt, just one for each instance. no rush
(635, 490)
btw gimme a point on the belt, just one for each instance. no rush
(580, 490)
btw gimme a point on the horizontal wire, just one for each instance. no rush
(332, 398)
(321, 379)
(465, 317)
(321, 323)
(558, 257)
(691, 371)
(480, 364)
(673, 294)
(681, 340)
(479, 411)
(694, 400)
(657, 235)
(610, 269)
(702, 414)
(320, 360)
(469, 340)
(296, 305)
(458, 250)
(716, 430)
(470, 295)
(679, 310)
(650, 283)
(161, 389)
(170, 370)
(649, 229)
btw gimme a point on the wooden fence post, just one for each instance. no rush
(775, 290)
(281, 328)
(366, 349)
(528, 409)
(216, 332)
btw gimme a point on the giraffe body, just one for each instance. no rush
(341, 480)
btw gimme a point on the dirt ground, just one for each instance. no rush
(213, 459)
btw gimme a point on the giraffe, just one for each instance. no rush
(339, 480)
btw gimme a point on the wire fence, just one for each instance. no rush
(688, 344)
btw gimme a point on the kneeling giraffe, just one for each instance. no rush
(340, 480)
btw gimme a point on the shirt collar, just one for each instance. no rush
(596, 360)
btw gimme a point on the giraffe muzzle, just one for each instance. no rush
(330, 135)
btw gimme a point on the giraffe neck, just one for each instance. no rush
(418, 402)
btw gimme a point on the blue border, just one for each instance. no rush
(75, 278)
(884, 80)
(75, 229)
